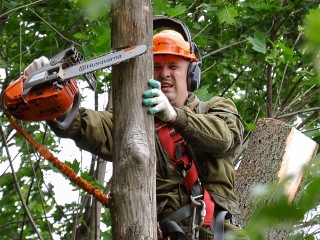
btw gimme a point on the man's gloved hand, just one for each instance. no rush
(159, 103)
(35, 65)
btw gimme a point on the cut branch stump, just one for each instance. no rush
(275, 151)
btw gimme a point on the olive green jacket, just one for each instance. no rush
(212, 131)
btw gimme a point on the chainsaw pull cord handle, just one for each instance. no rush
(65, 124)
(64, 169)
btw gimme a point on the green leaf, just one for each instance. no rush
(75, 165)
(11, 4)
(6, 179)
(287, 52)
(208, 7)
(273, 55)
(258, 42)
(159, 7)
(310, 238)
(98, 185)
(311, 195)
(26, 172)
(86, 176)
(82, 36)
(249, 126)
(312, 26)
(177, 10)
(228, 15)
(203, 93)
(87, 50)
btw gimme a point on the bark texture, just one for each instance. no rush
(133, 183)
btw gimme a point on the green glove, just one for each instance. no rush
(160, 106)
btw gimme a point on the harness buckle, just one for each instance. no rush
(180, 165)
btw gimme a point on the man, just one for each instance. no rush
(210, 132)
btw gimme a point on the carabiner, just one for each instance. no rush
(195, 227)
(194, 200)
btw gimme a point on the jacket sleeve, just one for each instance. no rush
(91, 131)
(218, 130)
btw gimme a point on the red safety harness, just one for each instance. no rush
(175, 146)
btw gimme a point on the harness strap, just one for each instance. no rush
(218, 227)
(175, 229)
(167, 226)
(174, 144)
(178, 216)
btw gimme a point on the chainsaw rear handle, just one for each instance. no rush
(65, 124)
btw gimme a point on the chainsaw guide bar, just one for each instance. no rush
(70, 63)
(104, 61)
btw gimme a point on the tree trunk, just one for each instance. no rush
(275, 150)
(133, 183)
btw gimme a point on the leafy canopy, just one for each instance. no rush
(263, 55)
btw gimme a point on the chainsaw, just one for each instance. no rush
(50, 91)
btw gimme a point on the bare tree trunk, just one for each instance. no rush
(133, 182)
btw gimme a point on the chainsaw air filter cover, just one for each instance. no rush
(43, 103)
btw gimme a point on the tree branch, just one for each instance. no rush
(208, 68)
(282, 80)
(35, 169)
(202, 30)
(317, 109)
(295, 102)
(7, 224)
(280, 89)
(33, 224)
(233, 81)
(223, 48)
(276, 24)
(269, 90)
(304, 122)
(3, 20)
(23, 6)
(56, 30)
(291, 92)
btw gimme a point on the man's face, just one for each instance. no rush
(171, 71)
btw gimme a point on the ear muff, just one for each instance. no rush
(194, 74)
(194, 69)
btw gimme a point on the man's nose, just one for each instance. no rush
(164, 72)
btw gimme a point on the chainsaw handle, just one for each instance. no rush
(65, 124)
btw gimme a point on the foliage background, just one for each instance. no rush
(262, 54)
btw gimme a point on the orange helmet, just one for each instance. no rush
(172, 42)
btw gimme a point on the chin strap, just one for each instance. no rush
(64, 169)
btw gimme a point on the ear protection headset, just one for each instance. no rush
(194, 70)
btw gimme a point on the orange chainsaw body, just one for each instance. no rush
(43, 103)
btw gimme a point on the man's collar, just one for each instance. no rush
(192, 101)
